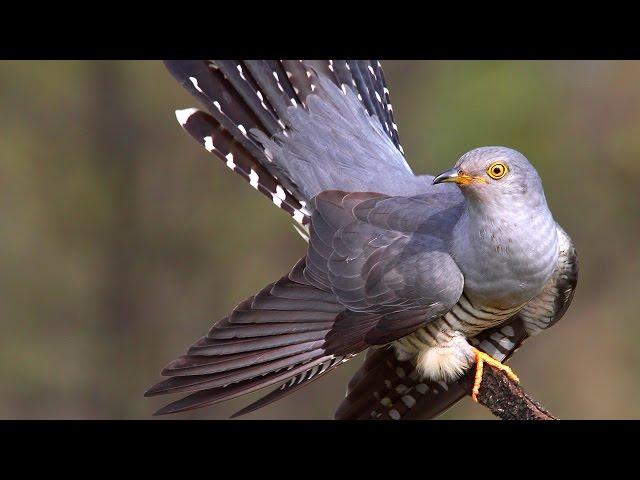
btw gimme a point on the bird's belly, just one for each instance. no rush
(440, 349)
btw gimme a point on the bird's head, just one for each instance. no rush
(489, 174)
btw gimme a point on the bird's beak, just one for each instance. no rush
(457, 176)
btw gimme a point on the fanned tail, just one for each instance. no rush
(215, 139)
(243, 98)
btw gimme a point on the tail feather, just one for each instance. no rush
(300, 79)
(250, 97)
(382, 91)
(387, 388)
(221, 100)
(235, 117)
(273, 81)
(242, 80)
(362, 85)
(205, 129)
(343, 75)
(261, 93)
(376, 380)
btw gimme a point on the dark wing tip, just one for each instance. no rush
(168, 409)
(158, 389)
(152, 391)
(241, 412)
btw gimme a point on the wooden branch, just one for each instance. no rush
(505, 398)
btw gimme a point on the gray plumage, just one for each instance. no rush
(334, 144)
(393, 259)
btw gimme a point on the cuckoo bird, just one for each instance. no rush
(431, 275)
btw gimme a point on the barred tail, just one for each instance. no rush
(385, 388)
(241, 97)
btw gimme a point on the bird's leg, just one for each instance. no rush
(481, 359)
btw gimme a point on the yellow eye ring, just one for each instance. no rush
(497, 170)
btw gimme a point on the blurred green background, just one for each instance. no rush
(122, 240)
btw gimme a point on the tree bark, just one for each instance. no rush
(505, 398)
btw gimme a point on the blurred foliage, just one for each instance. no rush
(122, 241)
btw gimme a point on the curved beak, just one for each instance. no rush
(457, 176)
(451, 175)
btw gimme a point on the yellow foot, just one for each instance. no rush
(481, 359)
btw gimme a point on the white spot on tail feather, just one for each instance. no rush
(253, 179)
(401, 388)
(298, 216)
(422, 388)
(194, 80)
(183, 115)
(409, 401)
(241, 72)
(230, 162)
(394, 414)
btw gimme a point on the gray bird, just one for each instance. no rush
(431, 274)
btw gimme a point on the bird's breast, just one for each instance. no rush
(506, 263)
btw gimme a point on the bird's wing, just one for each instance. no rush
(361, 284)
(373, 268)
(268, 338)
(386, 388)
(290, 329)
(364, 248)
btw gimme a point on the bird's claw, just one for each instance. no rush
(481, 359)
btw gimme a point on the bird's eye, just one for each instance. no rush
(497, 170)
